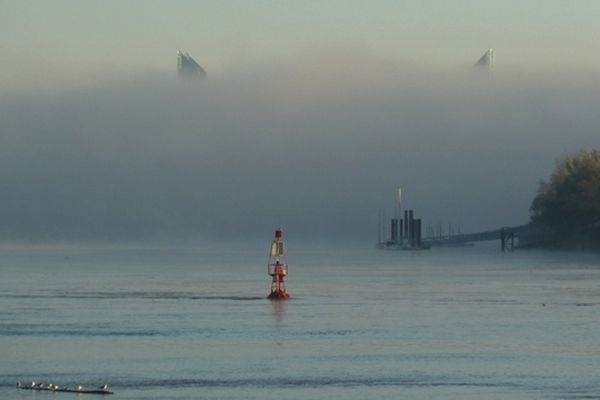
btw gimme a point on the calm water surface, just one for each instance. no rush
(183, 323)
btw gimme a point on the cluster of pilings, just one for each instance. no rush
(405, 233)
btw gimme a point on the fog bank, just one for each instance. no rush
(317, 145)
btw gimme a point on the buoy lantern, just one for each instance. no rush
(278, 267)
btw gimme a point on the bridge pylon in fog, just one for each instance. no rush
(487, 62)
(277, 267)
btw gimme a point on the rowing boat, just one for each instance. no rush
(55, 388)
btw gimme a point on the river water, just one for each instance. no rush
(193, 322)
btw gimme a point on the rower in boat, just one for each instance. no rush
(55, 388)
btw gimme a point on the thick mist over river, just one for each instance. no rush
(316, 143)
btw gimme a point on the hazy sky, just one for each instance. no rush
(49, 43)
(312, 115)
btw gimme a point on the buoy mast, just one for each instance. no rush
(278, 267)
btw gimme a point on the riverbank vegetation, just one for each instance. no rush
(568, 203)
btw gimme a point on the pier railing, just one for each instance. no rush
(506, 235)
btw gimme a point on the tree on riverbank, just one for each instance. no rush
(569, 202)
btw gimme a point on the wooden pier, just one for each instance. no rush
(506, 235)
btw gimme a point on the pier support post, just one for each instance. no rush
(507, 240)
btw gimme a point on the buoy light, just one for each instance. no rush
(277, 267)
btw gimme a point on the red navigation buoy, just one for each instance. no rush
(278, 267)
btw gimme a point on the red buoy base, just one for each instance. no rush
(279, 295)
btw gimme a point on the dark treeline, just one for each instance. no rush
(567, 206)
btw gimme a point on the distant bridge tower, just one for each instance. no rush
(187, 67)
(278, 267)
(487, 61)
